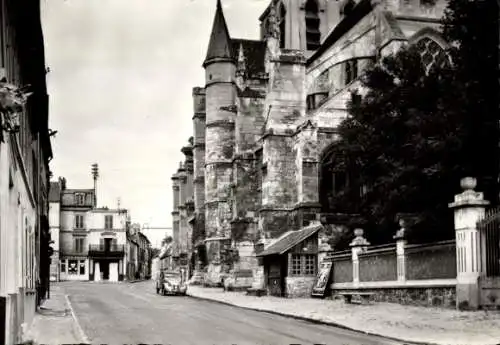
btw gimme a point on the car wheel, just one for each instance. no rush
(164, 292)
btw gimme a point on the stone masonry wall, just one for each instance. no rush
(426, 297)
(199, 119)
(306, 162)
(249, 123)
(299, 286)
(279, 186)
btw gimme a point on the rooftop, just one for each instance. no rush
(290, 239)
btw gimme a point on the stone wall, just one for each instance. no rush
(342, 269)
(299, 286)
(431, 262)
(426, 297)
(378, 266)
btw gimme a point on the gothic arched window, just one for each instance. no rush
(313, 35)
(433, 55)
(282, 24)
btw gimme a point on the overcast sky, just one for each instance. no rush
(120, 83)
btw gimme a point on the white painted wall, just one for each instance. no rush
(96, 226)
(54, 210)
(65, 275)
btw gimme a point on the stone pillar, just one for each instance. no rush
(400, 251)
(358, 245)
(469, 207)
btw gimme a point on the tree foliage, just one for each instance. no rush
(413, 135)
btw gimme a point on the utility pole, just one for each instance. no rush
(95, 175)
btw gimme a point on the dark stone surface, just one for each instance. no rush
(378, 267)
(436, 262)
(342, 270)
(426, 297)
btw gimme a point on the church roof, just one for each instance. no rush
(219, 46)
(254, 52)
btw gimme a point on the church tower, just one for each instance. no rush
(221, 93)
(303, 24)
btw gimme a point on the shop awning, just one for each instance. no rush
(290, 239)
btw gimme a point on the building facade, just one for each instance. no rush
(183, 213)
(25, 152)
(138, 253)
(107, 242)
(91, 240)
(75, 220)
(265, 122)
(54, 217)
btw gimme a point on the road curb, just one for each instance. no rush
(303, 318)
(85, 340)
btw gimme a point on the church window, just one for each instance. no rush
(282, 24)
(432, 54)
(351, 71)
(313, 35)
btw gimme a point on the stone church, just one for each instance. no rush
(258, 167)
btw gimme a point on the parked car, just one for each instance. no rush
(172, 283)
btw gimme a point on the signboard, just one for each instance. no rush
(322, 279)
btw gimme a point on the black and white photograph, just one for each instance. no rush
(250, 172)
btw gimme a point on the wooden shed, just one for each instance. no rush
(291, 263)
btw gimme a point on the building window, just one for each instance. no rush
(282, 24)
(351, 71)
(72, 266)
(313, 35)
(79, 221)
(63, 266)
(82, 267)
(80, 199)
(303, 264)
(295, 264)
(79, 245)
(108, 222)
(310, 265)
(432, 54)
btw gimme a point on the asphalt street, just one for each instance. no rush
(125, 313)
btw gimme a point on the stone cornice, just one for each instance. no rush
(199, 180)
(199, 146)
(222, 163)
(306, 205)
(199, 115)
(221, 123)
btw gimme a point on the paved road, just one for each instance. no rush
(132, 314)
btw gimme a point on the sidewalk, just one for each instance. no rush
(406, 323)
(54, 322)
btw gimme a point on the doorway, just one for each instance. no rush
(105, 270)
(107, 244)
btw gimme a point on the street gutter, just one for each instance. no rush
(303, 318)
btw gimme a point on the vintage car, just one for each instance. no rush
(172, 283)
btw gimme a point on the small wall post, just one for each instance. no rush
(400, 251)
(358, 245)
(469, 207)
